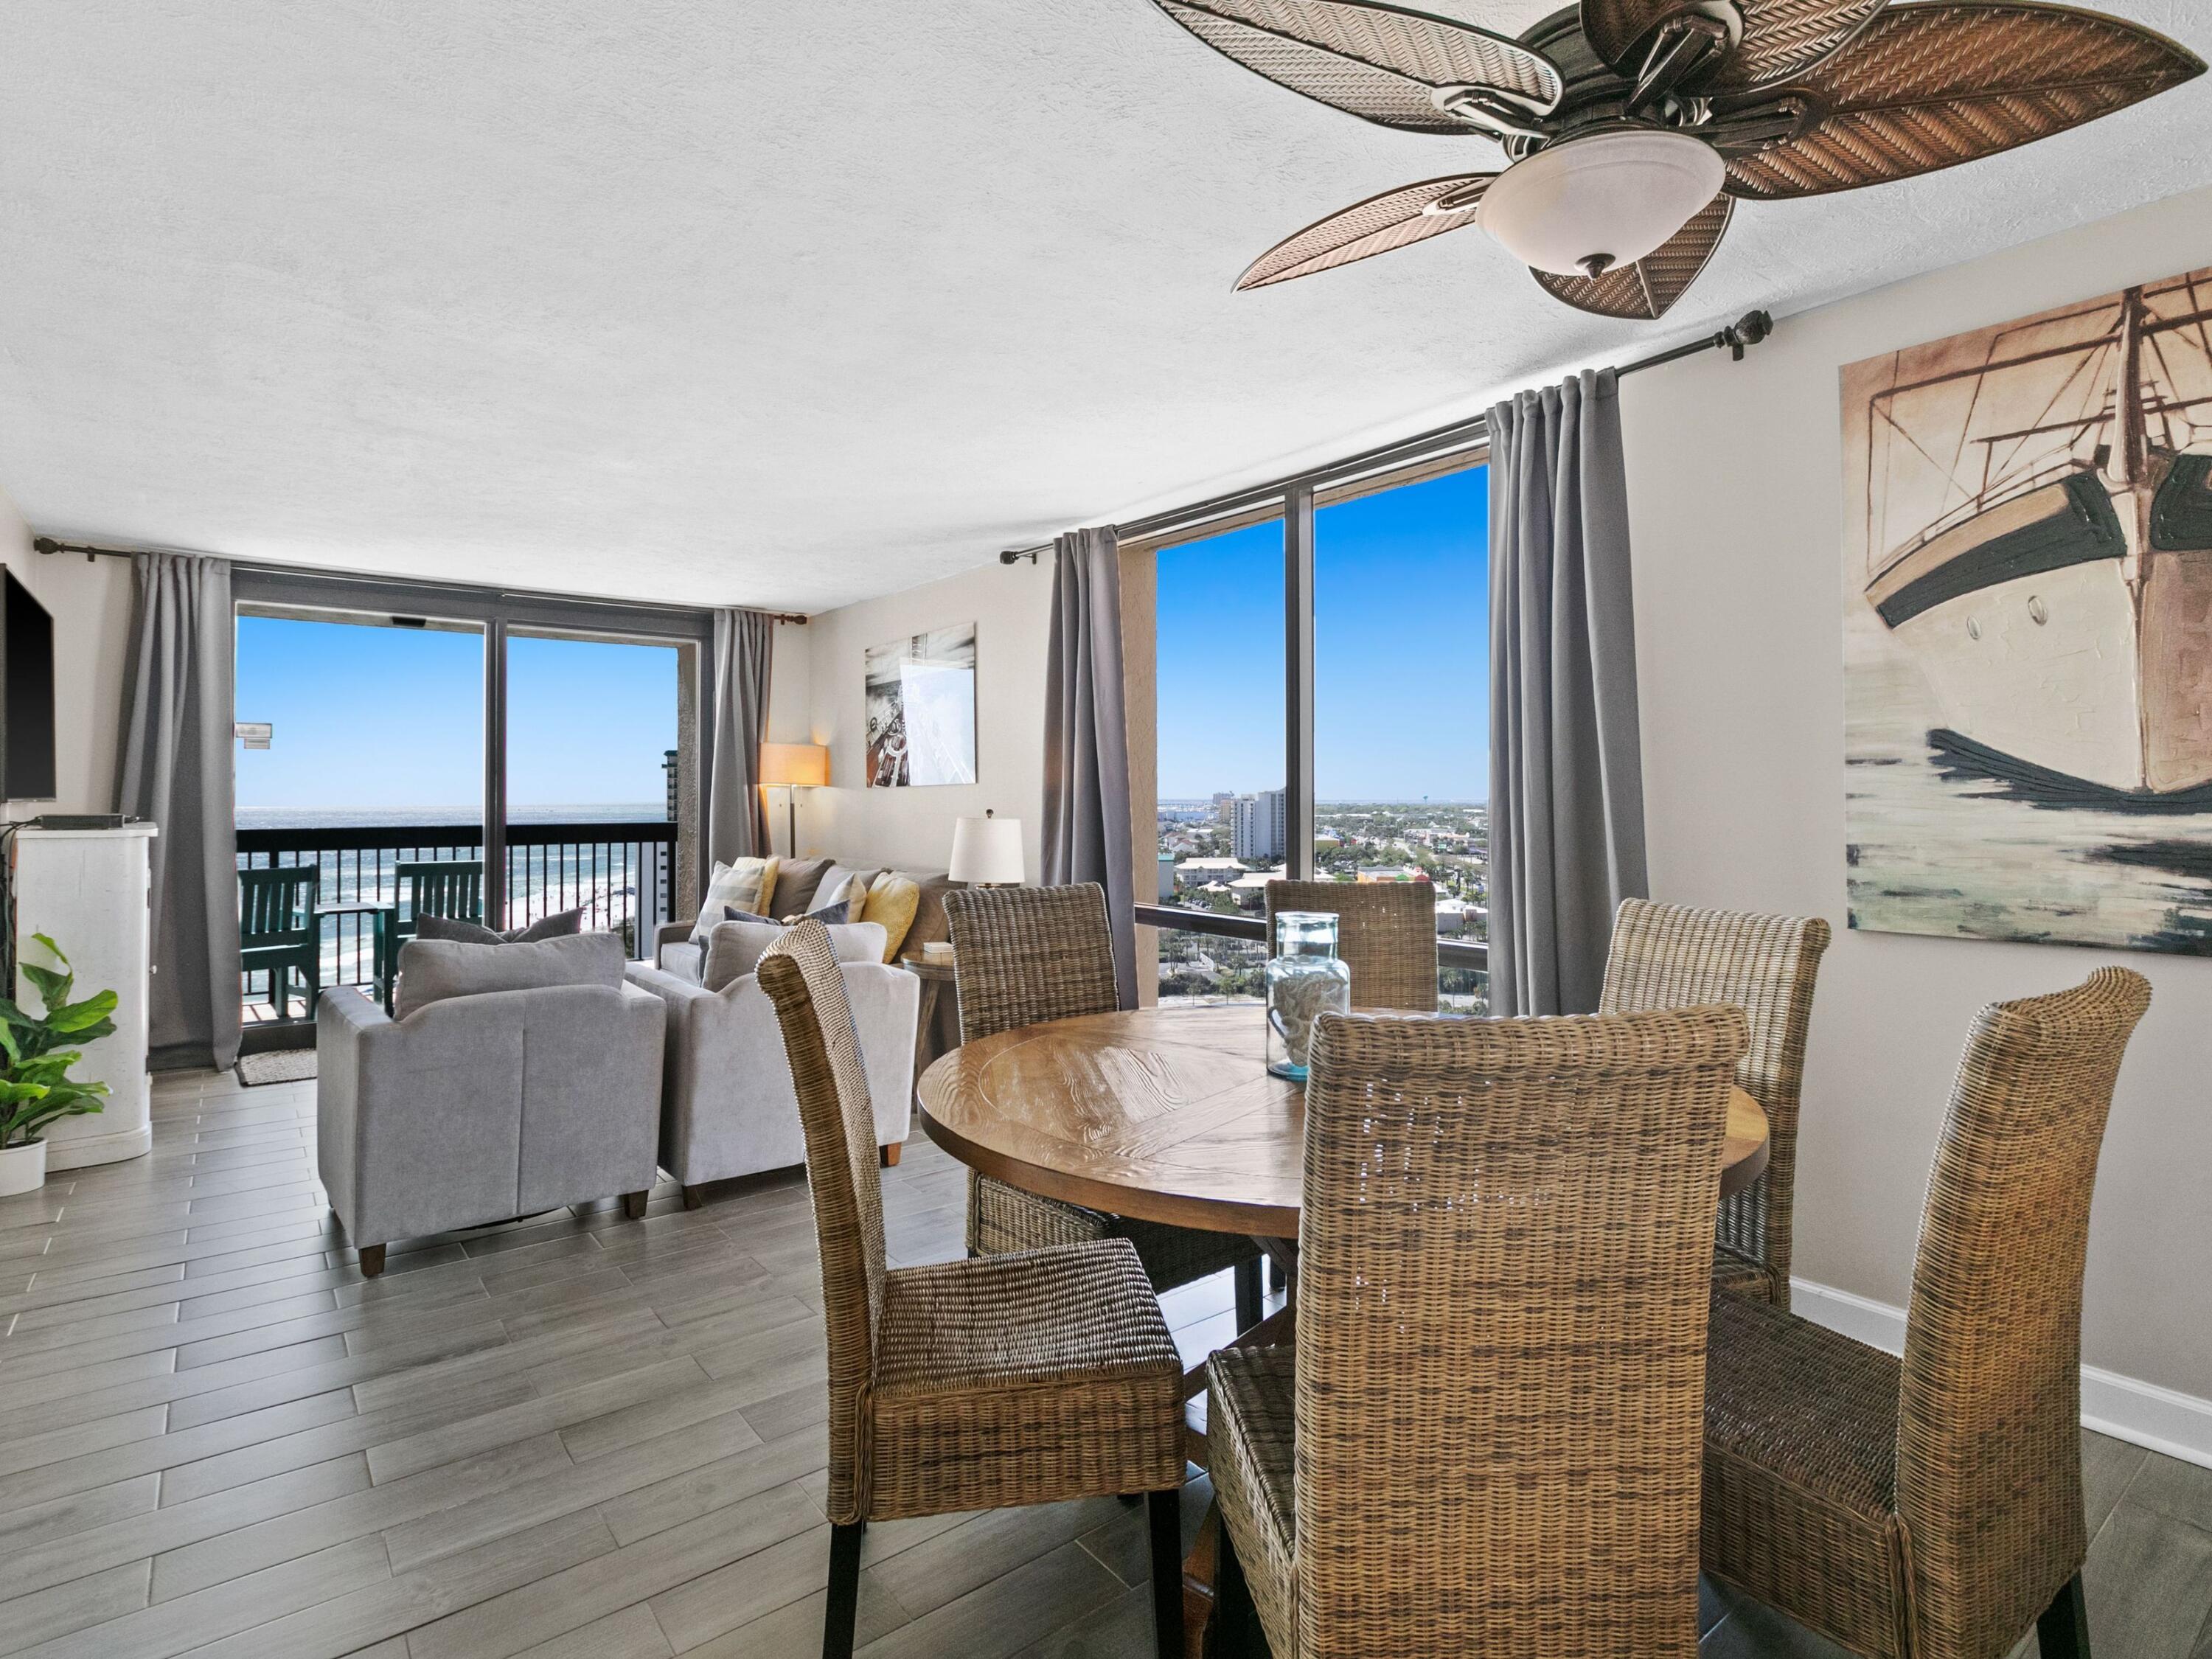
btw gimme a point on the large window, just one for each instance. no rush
(1220, 748)
(1401, 697)
(1321, 702)
(547, 746)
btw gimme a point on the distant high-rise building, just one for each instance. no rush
(1224, 808)
(1258, 826)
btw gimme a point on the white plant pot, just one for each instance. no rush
(22, 1168)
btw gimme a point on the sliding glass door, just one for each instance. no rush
(591, 780)
(553, 744)
(362, 747)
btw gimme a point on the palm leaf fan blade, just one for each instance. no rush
(1781, 37)
(1928, 86)
(1378, 62)
(1645, 291)
(1395, 219)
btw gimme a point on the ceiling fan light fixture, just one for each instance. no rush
(1590, 204)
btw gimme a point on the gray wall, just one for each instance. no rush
(91, 606)
(1735, 493)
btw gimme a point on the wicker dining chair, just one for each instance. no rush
(1666, 955)
(1932, 1507)
(983, 1383)
(1023, 955)
(1486, 1438)
(1386, 933)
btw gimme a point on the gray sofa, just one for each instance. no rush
(484, 1105)
(727, 1106)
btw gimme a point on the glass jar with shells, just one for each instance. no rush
(1306, 979)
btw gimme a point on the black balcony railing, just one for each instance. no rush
(1232, 965)
(622, 875)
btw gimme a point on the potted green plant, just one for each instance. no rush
(35, 1087)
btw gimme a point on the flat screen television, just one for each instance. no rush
(26, 694)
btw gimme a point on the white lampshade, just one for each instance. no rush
(987, 850)
(1614, 196)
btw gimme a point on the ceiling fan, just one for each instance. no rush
(1633, 127)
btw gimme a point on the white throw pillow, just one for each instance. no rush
(734, 948)
(841, 885)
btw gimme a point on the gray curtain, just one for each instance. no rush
(1566, 773)
(174, 768)
(735, 719)
(1086, 742)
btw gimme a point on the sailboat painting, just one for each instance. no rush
(2028, 627)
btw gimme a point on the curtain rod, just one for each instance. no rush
(48, 544)
(1747, 330)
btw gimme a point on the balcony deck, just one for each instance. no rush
(621, 872)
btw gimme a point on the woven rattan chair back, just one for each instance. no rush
(1665, 955)
(1505, 1250)
(800, 974)
(1989, 1463)
(1386, 933)
(1025, 954)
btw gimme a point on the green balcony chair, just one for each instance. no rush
(279, 932)
(429, 887)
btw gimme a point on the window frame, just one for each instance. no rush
(1295, 503)
(284, 591)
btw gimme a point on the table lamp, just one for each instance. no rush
(986, 852)
(793, 767)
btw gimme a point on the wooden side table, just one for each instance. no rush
(939, 981)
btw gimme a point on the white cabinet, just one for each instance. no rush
(86, 890)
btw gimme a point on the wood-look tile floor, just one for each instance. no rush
(577, 1435)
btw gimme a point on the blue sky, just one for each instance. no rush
(390, 718)
(1402, 659)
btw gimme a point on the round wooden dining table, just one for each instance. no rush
(1166, 1114)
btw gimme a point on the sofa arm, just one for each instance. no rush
(348, 1023)
(669, 932)
(886, 1003)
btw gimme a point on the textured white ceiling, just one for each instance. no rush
(783, 302)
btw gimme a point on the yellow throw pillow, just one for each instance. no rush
(892, 903)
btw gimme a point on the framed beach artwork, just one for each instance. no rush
(922, 709)
(2028, 601)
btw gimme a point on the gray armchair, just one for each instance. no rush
(479, 1108)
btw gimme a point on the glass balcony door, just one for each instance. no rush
(591, 783)
(374, 756)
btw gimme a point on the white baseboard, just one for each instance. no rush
(2141, 1413)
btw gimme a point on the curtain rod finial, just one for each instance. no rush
(1015, 555)
(1747, 330)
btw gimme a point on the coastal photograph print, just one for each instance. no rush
(2027, 627)
(920, 704)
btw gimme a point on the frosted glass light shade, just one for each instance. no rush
(804, 764)
(987, 850)
(1615, 195)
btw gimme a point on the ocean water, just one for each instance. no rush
(320, 817)
(1934, 848)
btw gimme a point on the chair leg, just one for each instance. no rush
(1251, 1308)
(890, 1153)
(372, 1261)
(1234, 1632)
(837, 1619)
(2063, 1632)
(1166, 1515)
(634, 1205)
(694, 1197)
